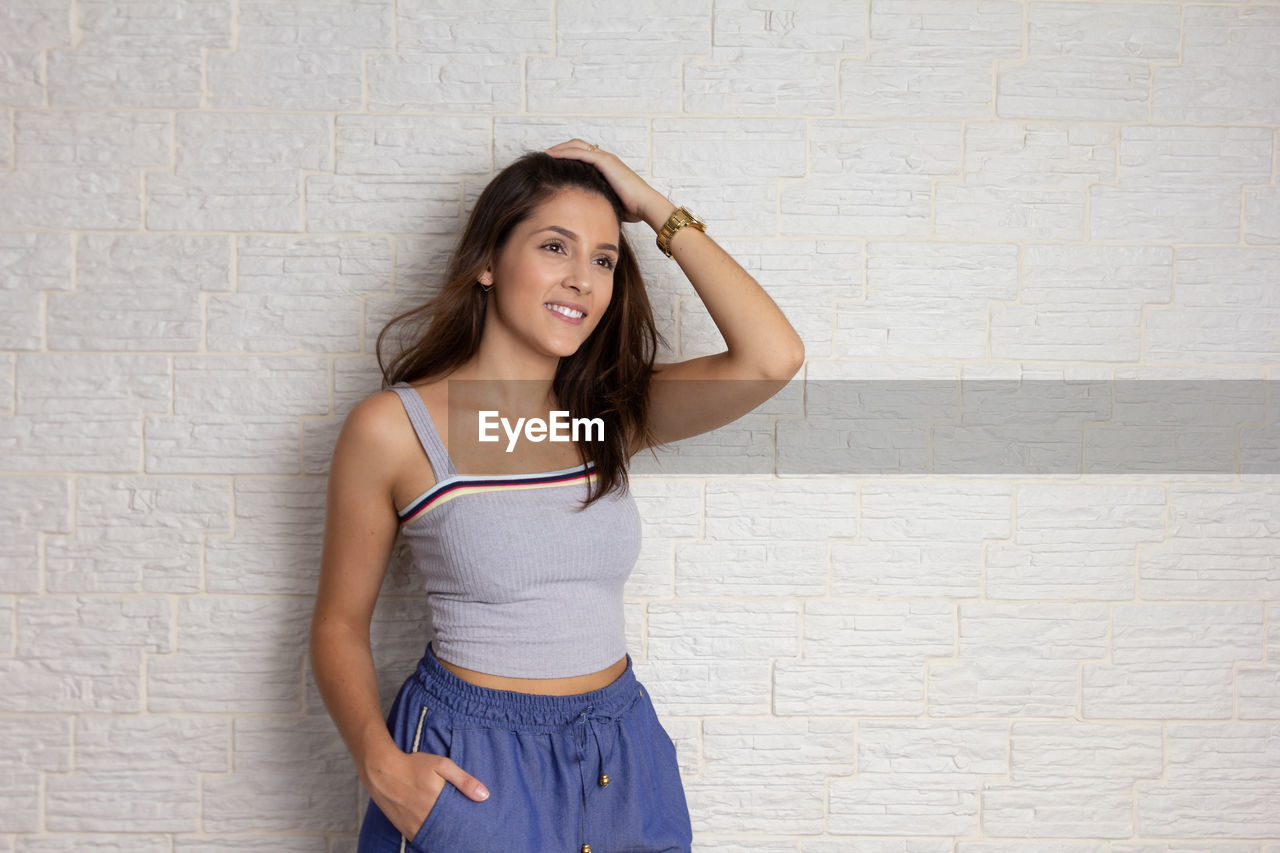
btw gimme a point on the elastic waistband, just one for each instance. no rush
(526, 709)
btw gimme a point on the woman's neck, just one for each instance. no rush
(509, 386)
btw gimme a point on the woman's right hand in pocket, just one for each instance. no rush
(409, 787)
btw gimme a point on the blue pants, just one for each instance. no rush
(592, 769)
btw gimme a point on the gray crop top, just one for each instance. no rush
(519, 583)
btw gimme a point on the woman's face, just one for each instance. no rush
(553, 278)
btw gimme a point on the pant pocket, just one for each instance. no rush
(667, 823)
(437, 823)
(434, 734)
(535, 793)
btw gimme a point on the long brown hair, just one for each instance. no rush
(608, 377)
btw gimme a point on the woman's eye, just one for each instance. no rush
(608, 262)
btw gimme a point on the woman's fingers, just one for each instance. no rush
(580, 149)
(577, 143)
(461, 779)
(423, 785)
(632, 190)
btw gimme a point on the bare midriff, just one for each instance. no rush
(546, 686)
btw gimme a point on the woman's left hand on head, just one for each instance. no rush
(641, 201)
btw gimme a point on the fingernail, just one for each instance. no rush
(482, 791)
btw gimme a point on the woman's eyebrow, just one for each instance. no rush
(574, 237)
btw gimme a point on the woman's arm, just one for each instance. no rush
(763, 350)
(359, 533)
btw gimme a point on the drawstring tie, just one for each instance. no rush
(586, 722)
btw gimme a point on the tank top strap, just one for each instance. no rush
(441, 464)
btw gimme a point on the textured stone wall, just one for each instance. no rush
(208, 209)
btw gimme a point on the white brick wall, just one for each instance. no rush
(208, 209)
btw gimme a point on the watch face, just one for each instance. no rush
(693, 217)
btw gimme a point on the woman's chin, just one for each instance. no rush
(564, 349)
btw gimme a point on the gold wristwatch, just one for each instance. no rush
(679, 218)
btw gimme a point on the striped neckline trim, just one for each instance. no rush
(462, 484)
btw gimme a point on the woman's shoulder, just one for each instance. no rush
(374, 422)
(381, 418)
(374, 418)
(386, 402)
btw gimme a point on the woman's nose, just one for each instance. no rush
(579, 278)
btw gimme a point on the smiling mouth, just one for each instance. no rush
(563, 311)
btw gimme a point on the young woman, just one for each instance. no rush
(524, 727)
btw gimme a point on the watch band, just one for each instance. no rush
(679, 218)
